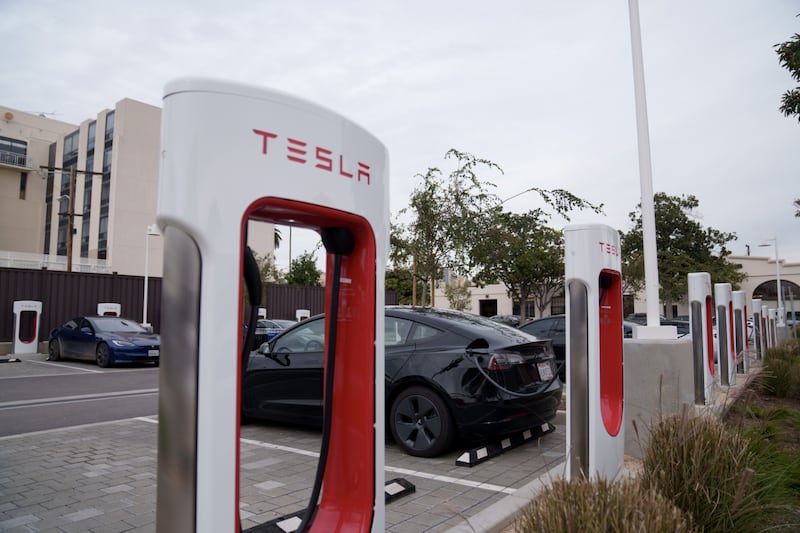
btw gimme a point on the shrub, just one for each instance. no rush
(706, 469)
(601, 506)
(781, 374)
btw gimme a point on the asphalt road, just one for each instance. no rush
(37, 395)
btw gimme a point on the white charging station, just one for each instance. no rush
(233, 153)
(758, 340)
(109, 309)
(595, 389)
(262, 312)
(772, 319)
(27, 314)
(740, 329)
(701, 313)
(723, 299)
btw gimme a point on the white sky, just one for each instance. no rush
(544, 89)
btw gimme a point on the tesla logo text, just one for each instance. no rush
(300, 152)
(608, 248)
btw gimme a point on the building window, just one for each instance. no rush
(23, 184)
(13, 152)
(90, 138)
(558, 305)
(109, 136)
(71, 147)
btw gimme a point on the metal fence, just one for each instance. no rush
(65, 295)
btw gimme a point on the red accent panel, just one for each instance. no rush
(349, 481)
(612, 391)
(710, 334)
(730, 328)
(27, 326)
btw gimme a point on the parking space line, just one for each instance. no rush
(77, 398)
(395, 470)
(69, 367)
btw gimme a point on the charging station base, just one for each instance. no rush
(393, 489)
(476, 456)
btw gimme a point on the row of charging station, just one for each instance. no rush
(722, 330)
(298, 164)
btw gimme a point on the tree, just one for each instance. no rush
(524, 254)
(451, 213)
(458, 294)
(684, 246)
(270, 273)
(304, 271)
(400, 280)
(789, 58)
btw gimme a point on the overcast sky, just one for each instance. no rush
(544, 89)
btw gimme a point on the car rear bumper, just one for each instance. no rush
(508, 414)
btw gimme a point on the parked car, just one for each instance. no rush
(470, 377)
(508, 320)
(108, 340)
(266, 329)
(553, 328)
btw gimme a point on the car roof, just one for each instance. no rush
(458, 322)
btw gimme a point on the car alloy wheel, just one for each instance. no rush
(54, 350)
(103, 355)
(421, 423)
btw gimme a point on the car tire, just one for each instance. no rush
(103, 355)
(54, 349)
(421, 423)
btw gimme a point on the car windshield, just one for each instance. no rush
(117, 325)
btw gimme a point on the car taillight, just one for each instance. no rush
(504, 361)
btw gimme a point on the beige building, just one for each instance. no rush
(761, 282)
(114, 198)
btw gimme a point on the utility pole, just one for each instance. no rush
(71, 214)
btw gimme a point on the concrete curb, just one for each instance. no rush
(500, 515)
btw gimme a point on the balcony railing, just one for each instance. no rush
(52, 262)
(13, 159)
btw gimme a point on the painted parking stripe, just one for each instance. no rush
(70, 367)
(395, 470)
(77, 398)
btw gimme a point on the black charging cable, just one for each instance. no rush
(339, 242)
(474, 357)
(252, 281)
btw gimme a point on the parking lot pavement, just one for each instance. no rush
(102, 477)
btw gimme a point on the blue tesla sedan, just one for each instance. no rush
(108, 340)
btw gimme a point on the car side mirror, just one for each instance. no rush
(86, 330)
(263, 349)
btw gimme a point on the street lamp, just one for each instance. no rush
(152, 229)
(781, 312)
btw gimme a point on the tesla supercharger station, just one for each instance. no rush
(109, 309)
(701, 313)
(723, 299)
(27, 314)
(233, 153)
(772, 318)
(757, 331)
(740, 328)
(595, 393)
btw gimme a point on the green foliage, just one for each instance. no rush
(684, 246)
(708, 470)
(789, 58)
(451, 216)
(599, 507)
(781, 373)
(524, 254)
(458, 294)
(400, 280)
(303, 271)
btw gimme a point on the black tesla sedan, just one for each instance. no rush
(448, 375)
